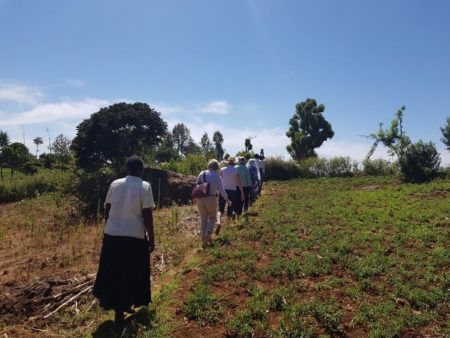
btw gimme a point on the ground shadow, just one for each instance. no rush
(145, 317)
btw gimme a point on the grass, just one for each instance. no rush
(361, 256)
(335, 256)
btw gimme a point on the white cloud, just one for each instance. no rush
(220, 107)
(216, 107)
(74, 83)
(50, 112)
(18, 93)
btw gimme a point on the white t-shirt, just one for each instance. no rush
(229, 177)
(128, 196)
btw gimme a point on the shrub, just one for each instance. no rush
(341, 167)
(190, 165)
(279, 169)
(91, 190)
(420, 162)
(379, 167)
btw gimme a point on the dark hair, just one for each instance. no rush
(256, 156)
(135, 164)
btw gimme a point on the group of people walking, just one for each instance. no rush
(123, 277)
(234, 184)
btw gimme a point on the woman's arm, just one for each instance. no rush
(239, 184)
(147, 213)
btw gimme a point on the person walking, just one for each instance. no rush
(254, 176)
(123, 277)
(246, 181)
(232, 185)
(261, 169)
(207, 206)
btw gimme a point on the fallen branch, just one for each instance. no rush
(71, 299)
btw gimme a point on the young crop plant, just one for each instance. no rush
(202, 305)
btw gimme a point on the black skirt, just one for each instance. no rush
(123, 277)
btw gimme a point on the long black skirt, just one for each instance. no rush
(123, 277)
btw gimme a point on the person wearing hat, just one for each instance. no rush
(232, 184)
(244, 175)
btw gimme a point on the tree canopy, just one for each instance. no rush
(61, 151)
(114, 133)
(15, 156)
(308, 129)
(446, 134)
(218, 141)
(248, 145)
(4, 139)
(206, 145)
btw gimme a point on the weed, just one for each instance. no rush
(202, 305)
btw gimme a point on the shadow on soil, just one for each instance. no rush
(144, 318)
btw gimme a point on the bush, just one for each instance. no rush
(30, 168)
(28, 187)
(420, 162)
(91, 190)
(190, 165)
(379, 167)
(279, 169)
(341, 167)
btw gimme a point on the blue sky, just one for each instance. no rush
(239, 66)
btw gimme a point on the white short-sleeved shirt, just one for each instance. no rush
(128, 196)
(229, 177)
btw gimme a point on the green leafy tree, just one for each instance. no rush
(446, 134)
(37, 141)
(420, 162)
(206, 145)
(394, 138)
(4, 141)
(181, 137)
(218, 144)
(248, 145)
(308, 129)
(114, 133)
(192, 148)
(15, 156)
(61, 151)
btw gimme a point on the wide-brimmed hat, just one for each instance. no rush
(231, 160)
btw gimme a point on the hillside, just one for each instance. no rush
(342, 256)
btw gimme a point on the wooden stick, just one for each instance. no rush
(68, 301)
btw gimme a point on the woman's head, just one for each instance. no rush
(213, 165)
(135, 166)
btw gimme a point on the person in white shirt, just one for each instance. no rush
(123, 278)
(207, 206)
(233, 186)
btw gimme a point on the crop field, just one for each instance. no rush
(354, 257)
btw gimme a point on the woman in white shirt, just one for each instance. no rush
(233, 186)
(123, 278)
(207, 206)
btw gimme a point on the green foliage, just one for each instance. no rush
(446, 134)
(308, 129)
(61, 150)
(379, 167)
(218, 144)
(206, 146)
(420, 162)
(202, 305)
(47, 160)
(393, 138)
(15, 156)
(182, 140)
(248, 155)
(4, 139)
(28, 187)
(91, 188)
(190, 165)
(248, 145)
(116, 132)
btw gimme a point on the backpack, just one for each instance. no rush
(201, 190)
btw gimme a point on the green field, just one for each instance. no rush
(356, 257)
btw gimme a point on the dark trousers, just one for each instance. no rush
(244, 204)
(232, 195)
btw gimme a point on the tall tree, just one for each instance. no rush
(308, 129)
(37, 141)
(181, 137)
(206, 145)
(114, 133)
(218, 141)
(61, 151)
(248, 145)
(4, 141)
(15, 156)
(446, 134)
(394, 138)
(192, 148)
